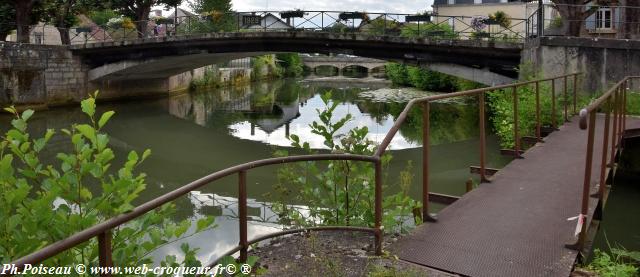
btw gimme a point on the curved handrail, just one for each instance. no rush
(82, 236)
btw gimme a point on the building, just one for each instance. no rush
(618, 19)
(460, 13)
(86, 32)
(268, 22)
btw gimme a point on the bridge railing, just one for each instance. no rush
(614, 105)
(103, 231)
(427, 26)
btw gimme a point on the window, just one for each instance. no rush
(37, 36)
(603, 18)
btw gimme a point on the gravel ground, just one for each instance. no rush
(332, 253)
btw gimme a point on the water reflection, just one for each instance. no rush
(193, 135)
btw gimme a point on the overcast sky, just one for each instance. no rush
(391, 6)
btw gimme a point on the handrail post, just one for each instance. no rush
(625, 91)
(242, 211)
(614, 132)
(584, 209)
(378, 208)
(425, 163)
(516, 132)
(575, 93)
(554, 124)
(483, 176)
(105, 251)
(605, 145)
(566, 100)
(538, 123)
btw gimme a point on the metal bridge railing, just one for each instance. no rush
(431, 26)
(103, 231)
(614, 105)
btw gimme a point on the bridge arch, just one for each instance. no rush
(164, 57)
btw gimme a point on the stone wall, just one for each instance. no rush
(39, 74)
(603, 62)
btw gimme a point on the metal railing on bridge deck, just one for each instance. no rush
(103, 231)
(614, 105)
(429, 26)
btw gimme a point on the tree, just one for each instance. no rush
(574, 13)
(139, 10)
(220, 12)
(26, 13)
(7, 19)
(630, 15)
(62, 14)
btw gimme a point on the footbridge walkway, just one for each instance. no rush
(514, 224)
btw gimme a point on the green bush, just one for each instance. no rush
(420, 77)
(338, 192)
(291, 63)
(633, 103)
(209, 79)
(620, 263)
(430, 30)
(44, 202)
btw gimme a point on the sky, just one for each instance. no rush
(390, 6)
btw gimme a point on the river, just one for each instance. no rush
(192, 135)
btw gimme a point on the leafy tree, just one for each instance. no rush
(574, 12)
(7, 20)
(139, 10)
(42, 203)
(62, 14)
(25, 13)
(101, 17)
(219, 13)
(292, 64)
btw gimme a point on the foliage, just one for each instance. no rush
(63, 14)
(420, 77)
(101, 17)
(501, 18)
(428, 30)
(209, 78)
(7, 19)
(218, 13)
(501, 106)
(380, 26)
(265, 67)
(633, 103)
(43, 203)
(556, 22)
(138, 10)
(337, 192)
(617, 264)
(121, 23)
(478, 23)
(339, 28)
(291, 63)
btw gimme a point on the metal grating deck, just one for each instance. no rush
(516, 225)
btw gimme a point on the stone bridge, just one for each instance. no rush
(343, 62)
(152, 58)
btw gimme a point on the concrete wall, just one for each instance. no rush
(603, 61)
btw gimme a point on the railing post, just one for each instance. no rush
(242, 211)
(483, 177)
(554, 124)
(105, 258)
(378, 208)
(605, 146)
(575, 94)
(566, 100)
(516, 132)
(425, 163)
(614, 133)
(625, 91)
(538, 123)
(584, 209)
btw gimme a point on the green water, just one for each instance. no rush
(192, 135)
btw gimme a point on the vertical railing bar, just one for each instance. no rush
(554, 124)
(425, 163)
(575, 93)
(621, 115)
(614, 107)
(105, 258)
(605, 146)
(378, 207)
(587, 180)
(625, 91)
(242, 211)
(538, 123)
(483, 176)
(516, 132)
(566, 100)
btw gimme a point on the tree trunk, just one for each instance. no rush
(64, 35)
(23, 9)
(631, 20)
(142, 20)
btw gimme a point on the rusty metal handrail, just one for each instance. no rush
(615, 103)
(103, 230)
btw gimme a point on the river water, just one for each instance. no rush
(192, 135)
